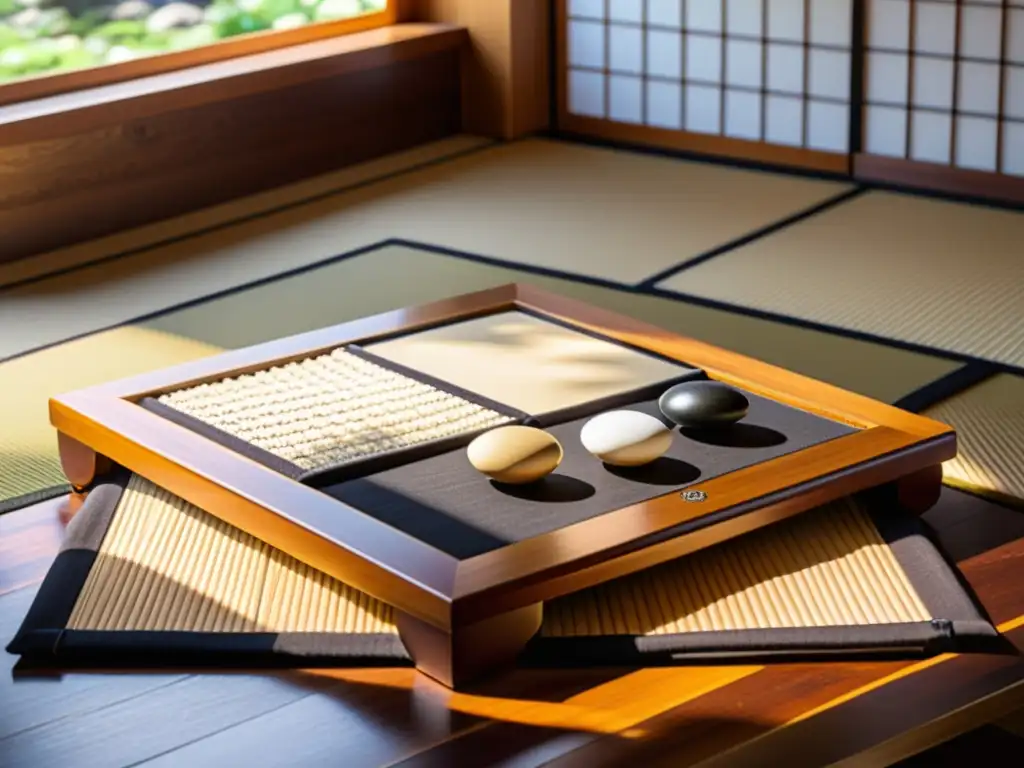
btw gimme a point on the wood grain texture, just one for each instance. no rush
(505, 76)
(612, 717)
(449, 594)
(71, 174)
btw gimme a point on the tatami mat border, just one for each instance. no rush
(953, 383)
(35, 497)
(750, 237)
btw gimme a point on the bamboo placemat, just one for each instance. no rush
(333, 408)
(165, 565)
(827, 568)
(148, 577)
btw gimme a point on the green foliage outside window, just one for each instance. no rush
(49, 36)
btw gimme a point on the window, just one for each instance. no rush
(55, 37)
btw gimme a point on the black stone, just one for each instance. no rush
(703, 404)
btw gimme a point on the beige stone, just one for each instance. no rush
(515, 454)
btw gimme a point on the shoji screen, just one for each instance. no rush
(944, 95)
(766, 80)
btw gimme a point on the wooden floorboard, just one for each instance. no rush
(374, 717)
(29, 540)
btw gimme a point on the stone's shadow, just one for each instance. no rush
(556, 488)
(736, 436)
(662, 471)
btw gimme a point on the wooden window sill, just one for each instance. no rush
(85, 164)
(92, 108)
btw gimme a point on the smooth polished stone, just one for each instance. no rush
(626, 438)
(703, 404)
(515, 454)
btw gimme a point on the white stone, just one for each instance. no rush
(626, 438)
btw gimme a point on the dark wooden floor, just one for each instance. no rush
(677, 716)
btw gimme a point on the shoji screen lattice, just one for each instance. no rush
(944, 94)
(766, 80)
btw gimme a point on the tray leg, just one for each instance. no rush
(472, 651)
(919, 492)
(81, 464)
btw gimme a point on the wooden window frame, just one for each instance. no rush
(45, 86)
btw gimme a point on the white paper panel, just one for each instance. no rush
(829, 74)
(743, 17)
(704, 15)
(586, 44)
(976, 142)
(704, 58)
(665, 13)
(625, 49)
(664, 53)
(784, 117)
(930, 134)
(586, 93)
(625, 99)
(828, 126)
(887, 77)
(703, 109)
(743, 63)
(665, 104)
(785, 68)
(933, 83)
(935, 28)
(743, 115)
(888, 24)
(626, 10)
(1015, 38)
(978, 90)
(591, 9)
(1013, 148)
(980, 33)
(785, 20)
(885, 131)
(1013, 97)
(832, 22)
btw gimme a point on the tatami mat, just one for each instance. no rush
(602, 213)
(989, 419)
(939, 274)
(365, 285)
(28, 444)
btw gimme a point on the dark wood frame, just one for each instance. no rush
(459, 618)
